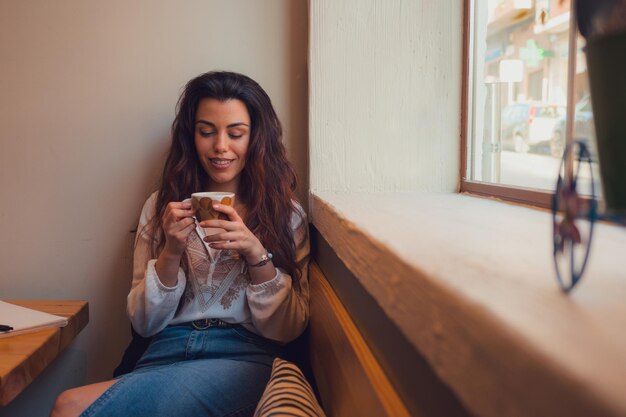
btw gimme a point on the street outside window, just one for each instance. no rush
(518, 92)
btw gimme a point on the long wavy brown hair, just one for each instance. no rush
(268, 181)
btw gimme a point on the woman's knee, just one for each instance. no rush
(68, 404)
(74, 401)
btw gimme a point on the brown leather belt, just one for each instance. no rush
(204, 324)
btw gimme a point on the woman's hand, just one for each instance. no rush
(178, 223)
(236, 235)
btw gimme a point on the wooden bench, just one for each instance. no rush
(348, 377)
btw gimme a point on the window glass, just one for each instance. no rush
(518, 92)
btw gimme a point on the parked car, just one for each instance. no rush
(527, 124)
(583, 129)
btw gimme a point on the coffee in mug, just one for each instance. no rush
(202, 204)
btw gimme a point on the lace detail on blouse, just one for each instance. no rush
(209, 281)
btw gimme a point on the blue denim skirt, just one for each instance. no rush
(215, 372)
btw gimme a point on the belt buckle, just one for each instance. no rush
(204, 324)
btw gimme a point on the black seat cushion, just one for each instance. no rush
(136, 348)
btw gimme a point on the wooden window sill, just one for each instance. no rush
(470, 282)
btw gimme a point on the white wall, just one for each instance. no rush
(385, 89)
(87, 96)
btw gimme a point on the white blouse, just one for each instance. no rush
(217, 286)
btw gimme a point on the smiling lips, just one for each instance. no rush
(220, 163)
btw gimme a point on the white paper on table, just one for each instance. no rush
(24, 320)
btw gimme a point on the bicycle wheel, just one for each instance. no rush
(573, 217)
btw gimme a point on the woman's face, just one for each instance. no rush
(222, 135)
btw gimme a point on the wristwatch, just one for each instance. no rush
(265, 258)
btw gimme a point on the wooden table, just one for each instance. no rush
(23, 357)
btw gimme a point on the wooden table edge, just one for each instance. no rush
(49, 343)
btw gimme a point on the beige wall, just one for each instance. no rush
(87, 96)
(385, 90)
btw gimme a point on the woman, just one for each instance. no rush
(218, 304)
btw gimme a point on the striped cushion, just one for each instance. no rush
(287, 393)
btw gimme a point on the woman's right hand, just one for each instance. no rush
(178, 223)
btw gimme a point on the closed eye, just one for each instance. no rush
(206, 134)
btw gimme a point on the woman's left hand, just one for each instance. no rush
(236, 235)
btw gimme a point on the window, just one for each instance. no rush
(517, 88)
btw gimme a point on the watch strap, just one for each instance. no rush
(265, 258)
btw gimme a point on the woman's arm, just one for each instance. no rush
(152, 301)
(178, 223)
(280, 309)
